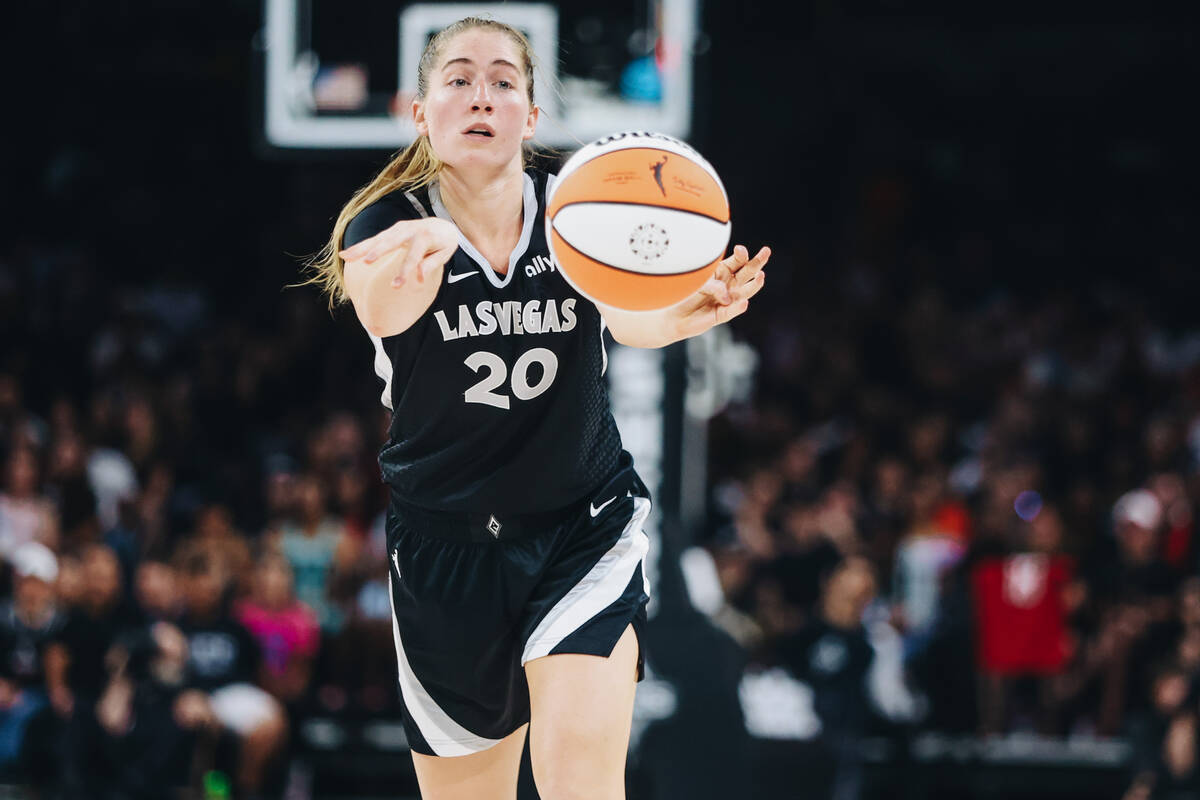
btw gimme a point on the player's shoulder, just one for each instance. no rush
(542, 183)
(393, 207)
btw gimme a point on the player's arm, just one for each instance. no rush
(723, 297)
(393, 276)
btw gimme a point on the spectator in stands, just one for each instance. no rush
(28, 623)
(114, 481)
(68, 485)
(156, 591)
(279, 495)
(286, 629)
(25, 515)
(147, 723)
(886, 510)
(927, 551)
(321, 552)
(143, 441)
(76, 674)
(806, 557)
(18, 428)
(223, 662)
(1165, 740)
(1179, 546)
(152, 511)
(833, 655)
(1021, 601)
(214, 533)
(1134, 598)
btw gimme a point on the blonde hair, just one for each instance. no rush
(413, 167)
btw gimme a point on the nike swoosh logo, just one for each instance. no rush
(452, 278)
(594, 509)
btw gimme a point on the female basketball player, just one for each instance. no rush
(514, 527)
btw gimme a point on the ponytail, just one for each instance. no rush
(415, 166)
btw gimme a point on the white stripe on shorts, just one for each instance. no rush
(444, 736)
(597, 590)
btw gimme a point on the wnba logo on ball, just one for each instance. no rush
(656, 168)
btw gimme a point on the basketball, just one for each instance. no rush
(637, 220)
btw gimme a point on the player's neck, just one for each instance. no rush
(488, 209)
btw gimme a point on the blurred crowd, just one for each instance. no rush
(1008, 486)
(182, 581)
(194, 552)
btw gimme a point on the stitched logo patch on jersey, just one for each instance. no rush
(452, 278)
(493, 526)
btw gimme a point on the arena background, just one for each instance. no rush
(937, 538)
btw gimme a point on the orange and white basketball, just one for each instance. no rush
(637, 220)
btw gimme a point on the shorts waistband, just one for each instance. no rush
(499, 526)
(478, 527)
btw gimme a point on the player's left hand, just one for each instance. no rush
(725, 295)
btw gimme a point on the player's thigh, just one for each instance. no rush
(487, 775)
(581, 709)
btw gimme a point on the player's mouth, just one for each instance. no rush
(479, 132)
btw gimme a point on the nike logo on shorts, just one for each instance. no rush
(594, 509)
(452, 278)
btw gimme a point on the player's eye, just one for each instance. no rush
(458, 81)
(504, 84)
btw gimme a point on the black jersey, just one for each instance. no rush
(498, 394)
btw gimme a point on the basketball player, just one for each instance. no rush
(514, 526)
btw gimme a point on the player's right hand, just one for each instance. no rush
(430, 243)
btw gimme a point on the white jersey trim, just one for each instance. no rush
(383, 368)
(412, 199)
(443, 735)
(603, 347)
(597, 590)
(530, 214)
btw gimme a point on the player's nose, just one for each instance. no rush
(482, 100)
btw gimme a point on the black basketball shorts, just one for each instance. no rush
(471, 608)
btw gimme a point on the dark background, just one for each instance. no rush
(997, 170)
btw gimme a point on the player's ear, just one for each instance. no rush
(531, 123)
(418, 113)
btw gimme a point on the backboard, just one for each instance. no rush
(341, 74)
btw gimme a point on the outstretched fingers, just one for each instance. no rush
(746, 280)
(411, 265)
(372, 249)
(748, 288)
(718, 290)
(754, 265)
(356, 251)
(367, 246)
(735, 260)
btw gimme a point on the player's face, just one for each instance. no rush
(476, 111)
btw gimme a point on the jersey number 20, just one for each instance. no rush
(497, 372)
